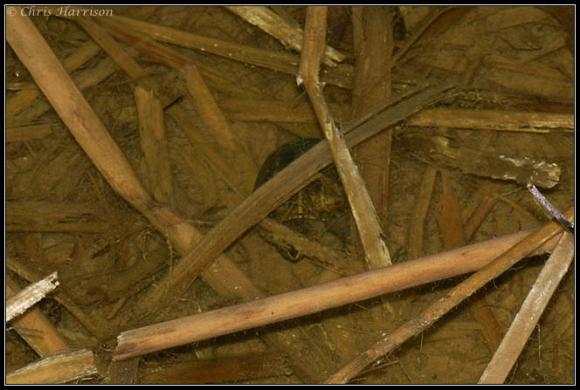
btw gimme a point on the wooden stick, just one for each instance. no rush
(453, 236)
(29, 296)
(36, 329)
(83, 79)
(454, 297)
(493, 120)
(208, 110)
(327, 257)
(278, 61)
(518, 121)
(28, 133)
(154, 144)
(290, 36)
(95, 325)
(417, 225)
(228, 369)
(365, 216)
(61, 368)
(27, 216)
(527, 318)
(24, 98)
(272, 194)
(223, 276)
(373, 46)
(313, 299)
(478, 216)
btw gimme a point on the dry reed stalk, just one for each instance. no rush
(365, 216)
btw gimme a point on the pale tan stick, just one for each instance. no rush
(417, 225)
(527, 318)
(290, 36)
(518, 121)
(314, 299)
(454, 297)
(61, 368)
(29, 296)
(366, 219)
(36, 329)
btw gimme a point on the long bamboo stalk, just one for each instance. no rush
(313, 299)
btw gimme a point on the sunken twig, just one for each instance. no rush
(363, 211)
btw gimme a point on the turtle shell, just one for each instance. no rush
(321, 200)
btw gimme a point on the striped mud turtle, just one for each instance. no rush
(321, 201)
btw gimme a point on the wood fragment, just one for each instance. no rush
(125, 372)
(282, 62)
(517, 121)
(454, 297)
(25, 97)
(433, 15)
(90, 133)
(453, 236)
(417, 225)
(365, 216)
(289, 35)
(273, 193)
(530, 312)
(208, 110)
(373, 38)
(478, 216)
(36, 329)
(95, 325)
(315, 299)
(83, 79)
(29, 296)
(230, 369)
(56, 369)
(27, 216)
(28, 133)
(154, 145)
(484, 163)
(120, 56)
(327, 257)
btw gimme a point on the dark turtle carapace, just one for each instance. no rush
(320, 200)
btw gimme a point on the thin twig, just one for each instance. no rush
(442, 306)
(527, 318)
(365, 216)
